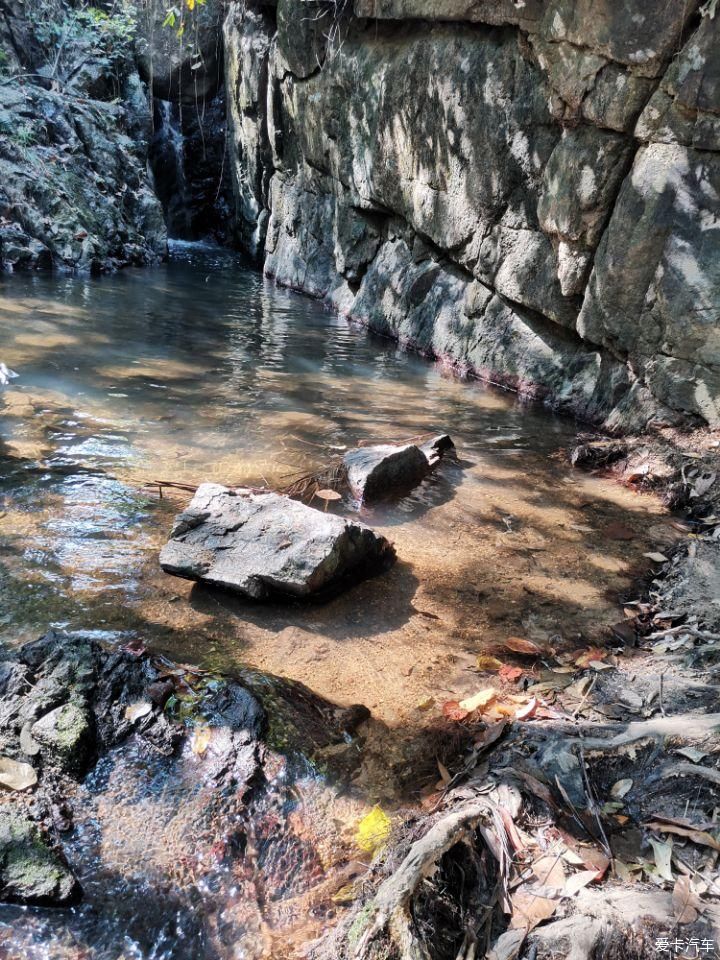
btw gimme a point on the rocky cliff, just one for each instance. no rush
(527, 188)
(74, 132)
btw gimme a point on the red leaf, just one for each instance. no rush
(453, 711)
(511, 674)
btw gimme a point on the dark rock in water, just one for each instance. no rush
(436, 448)
(264, 544)
(386, 470)
(30, 870)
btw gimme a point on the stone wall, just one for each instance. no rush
(527, 188)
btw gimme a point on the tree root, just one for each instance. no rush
(390, 908)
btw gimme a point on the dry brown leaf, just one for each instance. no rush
(520, 645)
(550, 871)
(444, 772)
(577, 881)
(697, 836)
(593, 653)
(686, 903)
(528, 910)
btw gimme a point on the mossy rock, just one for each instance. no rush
(67, 737)
(30, 870)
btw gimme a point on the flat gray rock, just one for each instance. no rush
(259, 544)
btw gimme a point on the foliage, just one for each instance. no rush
(175, 16)
(71, 34)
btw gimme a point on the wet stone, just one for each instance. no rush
(379, 472)
(263, 544)
(66, 734)
(30, 870)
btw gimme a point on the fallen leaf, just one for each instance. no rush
(426, 703)
(478, 701)
(550, 872)
(686, 903)
(134, 711)
(444, 772)
(488, 663)
(528, 910)
(519, 645)
(663, 855)
(200, 740)
(373, 830)
(656, 557)
(510, 674)
(697, 836)
(621, 788)
(597, 665)
(524, 713)
(16, 775)
(573, 858)
(577, 881)
(692, 753)
(452, 711)
(593, 653)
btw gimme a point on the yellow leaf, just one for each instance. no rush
(200, 740)
(373, 830)
(190, 4)
(479, 701)
(488, 663)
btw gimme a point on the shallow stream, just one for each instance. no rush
(201, 369)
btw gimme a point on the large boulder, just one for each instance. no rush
(260, 544)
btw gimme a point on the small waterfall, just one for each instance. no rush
(167, 158)
(188, 160)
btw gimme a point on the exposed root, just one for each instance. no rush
(389, 911)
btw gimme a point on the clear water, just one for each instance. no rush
(201, 369)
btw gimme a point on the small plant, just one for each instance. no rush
(25, 136)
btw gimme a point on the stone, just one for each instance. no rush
(265, 544)
(655, 287)
(66, 737)
(385, 470)
(31, 872)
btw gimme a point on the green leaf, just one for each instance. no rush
(169, 20)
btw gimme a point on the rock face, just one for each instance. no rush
(529, 190)
(74, 132)
(264, 544)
